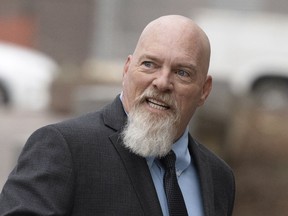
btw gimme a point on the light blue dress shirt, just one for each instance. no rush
(187, 178)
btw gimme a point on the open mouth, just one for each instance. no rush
(157, 104)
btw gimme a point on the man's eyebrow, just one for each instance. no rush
(150, 57)
(188, 65)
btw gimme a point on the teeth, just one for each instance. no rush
(157, 102)
(157, 105)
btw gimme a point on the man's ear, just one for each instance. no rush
(206, 90)
(127, 64)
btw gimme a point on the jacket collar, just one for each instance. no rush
(205, 175)
(114, 115)
(136, 166)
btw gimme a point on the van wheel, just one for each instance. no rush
(271, 94)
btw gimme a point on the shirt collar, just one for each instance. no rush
(180, 147)
(121, 98)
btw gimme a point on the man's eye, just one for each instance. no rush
(147, 64)
(183, 73)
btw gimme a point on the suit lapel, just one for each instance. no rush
(205, 176)
(136, 167)
(140, 177)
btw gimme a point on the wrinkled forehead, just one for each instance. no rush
(171, 38)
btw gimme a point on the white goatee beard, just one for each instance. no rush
(150, 134)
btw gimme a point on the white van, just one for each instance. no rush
(25, 77)
(249, 55)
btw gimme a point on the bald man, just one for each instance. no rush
(109, 162)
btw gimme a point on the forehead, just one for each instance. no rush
(173, 47)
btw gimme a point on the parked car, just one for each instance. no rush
(25, 77)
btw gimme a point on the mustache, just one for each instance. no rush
(166, 98)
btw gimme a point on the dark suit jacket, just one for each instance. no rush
(79, 167)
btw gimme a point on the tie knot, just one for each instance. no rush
(169, 160)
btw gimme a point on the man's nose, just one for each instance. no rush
(163, 81)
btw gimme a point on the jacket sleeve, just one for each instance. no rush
(42, 181)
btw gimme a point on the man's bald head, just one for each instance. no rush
(179, 29)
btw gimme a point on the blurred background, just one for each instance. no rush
(62, 58)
